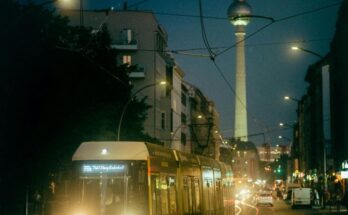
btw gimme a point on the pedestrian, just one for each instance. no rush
(37, 202)
(316, 197)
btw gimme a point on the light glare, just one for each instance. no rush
(294, 48)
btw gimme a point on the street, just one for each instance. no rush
(280, 208)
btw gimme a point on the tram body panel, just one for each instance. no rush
(227, 189)
(143, 178)
(189, 183)
(162, 180)
(111, 179)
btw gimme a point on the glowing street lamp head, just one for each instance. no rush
(295, 48)
(238, 13)
(162, 82)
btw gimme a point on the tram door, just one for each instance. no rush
(163, 193)
(105, 196)
(191, 195)
(114, 195)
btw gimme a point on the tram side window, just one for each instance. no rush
(187, 195)
(163, 195)
(218, 193)
(155, 185)
(208, 194)
(172, 195)
(226, 193)
(197, 199)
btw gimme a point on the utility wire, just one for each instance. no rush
(213, 55)
(204, 35)
(280, 20)
(185, 51)
(247, 37)
(308, 12)
(95, 64)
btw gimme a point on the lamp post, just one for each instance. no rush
(282, 137)
(308, 51)
(129, 101)
(324, 146)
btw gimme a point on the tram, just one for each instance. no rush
(139, 178)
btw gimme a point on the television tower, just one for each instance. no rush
(239, 15)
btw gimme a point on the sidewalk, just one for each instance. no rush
(331, 210)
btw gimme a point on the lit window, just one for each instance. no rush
(127, 59)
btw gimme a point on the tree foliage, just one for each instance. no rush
(59, 86)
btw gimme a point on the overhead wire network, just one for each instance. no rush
(213, 55)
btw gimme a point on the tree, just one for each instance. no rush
(59, 86)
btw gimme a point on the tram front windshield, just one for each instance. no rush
(113, 188)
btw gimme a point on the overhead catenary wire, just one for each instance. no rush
(204, 35)
(212, 58)
(212, 55)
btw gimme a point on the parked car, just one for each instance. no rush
(301, 197)
(264, 199)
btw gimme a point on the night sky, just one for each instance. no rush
(273, 69)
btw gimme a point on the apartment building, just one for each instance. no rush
(140, 40)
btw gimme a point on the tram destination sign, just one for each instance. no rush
(102, 168)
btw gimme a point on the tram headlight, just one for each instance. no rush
(79, 211)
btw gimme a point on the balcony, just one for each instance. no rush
(125, 45)
(139, 73)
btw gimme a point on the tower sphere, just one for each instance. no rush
(239, 8)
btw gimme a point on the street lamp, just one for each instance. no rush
(66, 1)
(282, 137)
(281, 124)
(129, 101)
(182, 126)
(53, 1)
(290, 98)
(306, 50)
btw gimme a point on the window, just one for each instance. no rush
(183, 118)
(163, 195)
(127, 35)
(183, 138)
(208, 194)
(127, 59)
(163, 120)
(171, 119)
(183, 98)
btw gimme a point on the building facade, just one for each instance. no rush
(173, 118)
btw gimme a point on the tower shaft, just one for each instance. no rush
(240, 125)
